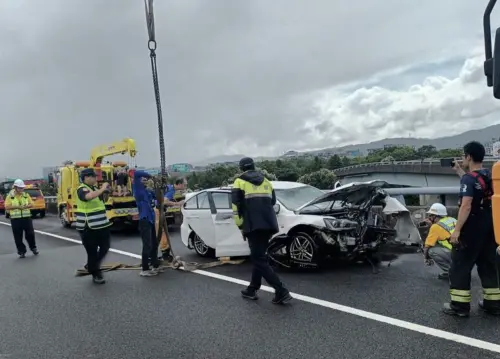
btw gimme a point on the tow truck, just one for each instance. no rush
(120, 210)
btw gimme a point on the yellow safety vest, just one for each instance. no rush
(251, 191)
(91, 213)
(21, 200)
(448, 224)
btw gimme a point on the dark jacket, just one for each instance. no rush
(257, 212)
(143, 197)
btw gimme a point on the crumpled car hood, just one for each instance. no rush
(342, 192)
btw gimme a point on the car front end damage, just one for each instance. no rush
(353, 230)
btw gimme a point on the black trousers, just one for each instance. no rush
(476, 247)
(258, 242)
(149, 244)
(24, 226)
(96, 243)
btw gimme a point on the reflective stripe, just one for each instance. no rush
(261, 195)
(491, 293)
(461, 296)
(91, 213)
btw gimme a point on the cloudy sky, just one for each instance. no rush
(257, 77)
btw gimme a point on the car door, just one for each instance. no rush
(229, 241)
(200, 218)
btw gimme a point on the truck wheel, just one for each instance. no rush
(62, 217)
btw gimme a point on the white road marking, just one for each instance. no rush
(438, 333)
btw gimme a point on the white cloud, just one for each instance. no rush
(436, 107)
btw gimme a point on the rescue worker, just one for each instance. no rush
(473, 239)
(18, 203)
(92, 222)
(144, 198)
(437, 247)
(253, 198)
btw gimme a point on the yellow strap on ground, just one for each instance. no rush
(177, 263)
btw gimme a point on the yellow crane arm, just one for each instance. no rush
(127, 145)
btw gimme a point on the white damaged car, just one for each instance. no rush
(314, 226)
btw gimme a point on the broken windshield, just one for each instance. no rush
(293, 198)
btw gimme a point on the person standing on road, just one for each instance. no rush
(253, 198)
(437, 248)
(473, 239)
(144, 198)
(92, 222)
(18, 203)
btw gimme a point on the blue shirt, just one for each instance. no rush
(144, 197)
(170, 192)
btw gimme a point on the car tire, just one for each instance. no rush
(303, 250)
(42, 214)
(201, 248)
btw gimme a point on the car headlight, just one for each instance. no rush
(331, 223)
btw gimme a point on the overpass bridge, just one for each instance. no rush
(426, 173)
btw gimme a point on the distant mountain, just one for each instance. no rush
(483, 135)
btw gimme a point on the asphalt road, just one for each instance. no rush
(47, 312)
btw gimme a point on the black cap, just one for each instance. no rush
(246, 164)
(87, 172)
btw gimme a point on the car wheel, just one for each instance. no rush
(303, 250)
(201, 248)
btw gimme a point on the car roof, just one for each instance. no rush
(276, 185)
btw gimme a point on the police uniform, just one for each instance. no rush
(476, 247)
(93, 226)
(21, 222)
(253, 198)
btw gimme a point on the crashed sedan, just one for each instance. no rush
(314, 226)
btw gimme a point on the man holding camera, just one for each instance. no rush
(473, 239)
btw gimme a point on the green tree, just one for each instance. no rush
(426, 151)
(322, 179)
(334, 162)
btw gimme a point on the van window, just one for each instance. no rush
(33, 192)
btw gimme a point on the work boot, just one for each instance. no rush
(448, 309)
(443, 276)
(492, 311)
(249, 293)
(35, 251)
(22, 255)
(282, 297)
(98, 279)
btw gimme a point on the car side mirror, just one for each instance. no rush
(496, 65)
(277, 208)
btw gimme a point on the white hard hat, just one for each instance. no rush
(19, 183)
(438, 209)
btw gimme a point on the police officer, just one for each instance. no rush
(92, 223)
(253, 198)
(18, 203)
(473, 238)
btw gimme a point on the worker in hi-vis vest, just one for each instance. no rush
(437, 247)
(92, 222)
(18, 203)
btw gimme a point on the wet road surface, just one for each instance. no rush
(47, 312)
